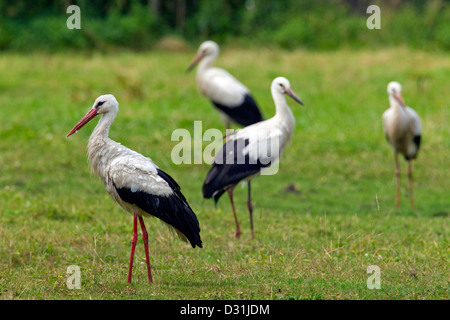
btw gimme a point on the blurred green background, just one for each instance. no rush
(141, 24)
(327, 215)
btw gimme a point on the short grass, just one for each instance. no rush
(325, 217)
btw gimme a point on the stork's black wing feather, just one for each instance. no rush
(172, 209)
(417, 140)
(228, 169)
(245, 114)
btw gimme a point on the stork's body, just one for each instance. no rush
(231, 98)
(135, 182)
(252, 149)
(402, 128)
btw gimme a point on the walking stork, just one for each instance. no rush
(252, 149)
(135, 182)
(402, 128)
(232, 99)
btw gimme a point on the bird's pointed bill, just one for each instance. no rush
(87, 117)
(399, 98)
(291, 94)
(194, 62)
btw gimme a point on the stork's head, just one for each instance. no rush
(283, 86)
(207, 49)
(394, 90)
(104, 104)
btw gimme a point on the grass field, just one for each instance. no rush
(325, 217)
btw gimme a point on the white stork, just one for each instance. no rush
(232, 99)
(252, 149)
(402, 128)
(135, 182)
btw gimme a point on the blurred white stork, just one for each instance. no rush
(232, 99)
(135, 182)
(252, 149)
(402, 128)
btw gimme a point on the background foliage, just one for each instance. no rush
(139, 24)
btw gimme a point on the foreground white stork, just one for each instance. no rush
(402, 128)
(227, 94)
(252, 149)
(135, 182)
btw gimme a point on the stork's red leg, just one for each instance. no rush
(397, 181)
(237, 233)
(133, 247)
(250, 209)
(410, 176)
(227, 126)
(145, 239)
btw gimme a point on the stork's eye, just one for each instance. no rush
(99, 104)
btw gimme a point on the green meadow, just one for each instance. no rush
(320, 222)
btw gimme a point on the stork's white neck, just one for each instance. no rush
(283, 115)
(103, 125)
(205, 63)
(100, 147)
(396, 106)
(393, 102)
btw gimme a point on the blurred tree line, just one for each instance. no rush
(138, 24)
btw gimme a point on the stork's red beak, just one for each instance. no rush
(399, 98)
(291, 94)
(87, 117)
(194, 62)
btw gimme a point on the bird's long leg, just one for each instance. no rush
(250, 209)
(410, 177)
(237, 233)
(397, 181)
(145, 239)
(133, 247)
(227, 130)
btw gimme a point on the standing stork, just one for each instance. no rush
(232, 99)
(402, 128)
(252, 149)
(135, 182)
